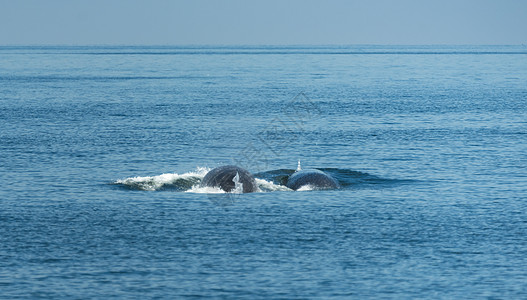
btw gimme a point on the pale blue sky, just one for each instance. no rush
(158, 22)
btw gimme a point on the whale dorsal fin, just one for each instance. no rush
(298, 168)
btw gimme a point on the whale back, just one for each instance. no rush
(223, 177)
(313, 177)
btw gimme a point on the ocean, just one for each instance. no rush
(102, 149)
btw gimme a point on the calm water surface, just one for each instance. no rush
(102, 150)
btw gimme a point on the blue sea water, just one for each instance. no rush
(102, 150)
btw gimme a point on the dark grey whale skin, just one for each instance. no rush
(223, 177)
(313, 177)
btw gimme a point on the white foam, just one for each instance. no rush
(267, 186)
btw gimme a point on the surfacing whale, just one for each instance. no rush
(228, 178)
(311, 177)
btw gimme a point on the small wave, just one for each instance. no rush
(174, 181)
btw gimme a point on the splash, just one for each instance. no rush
(205, 190)
(306, 187)
(269, 181)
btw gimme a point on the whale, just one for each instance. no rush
(311, 177)
(229, 178)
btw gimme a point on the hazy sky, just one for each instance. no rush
(163, 22)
